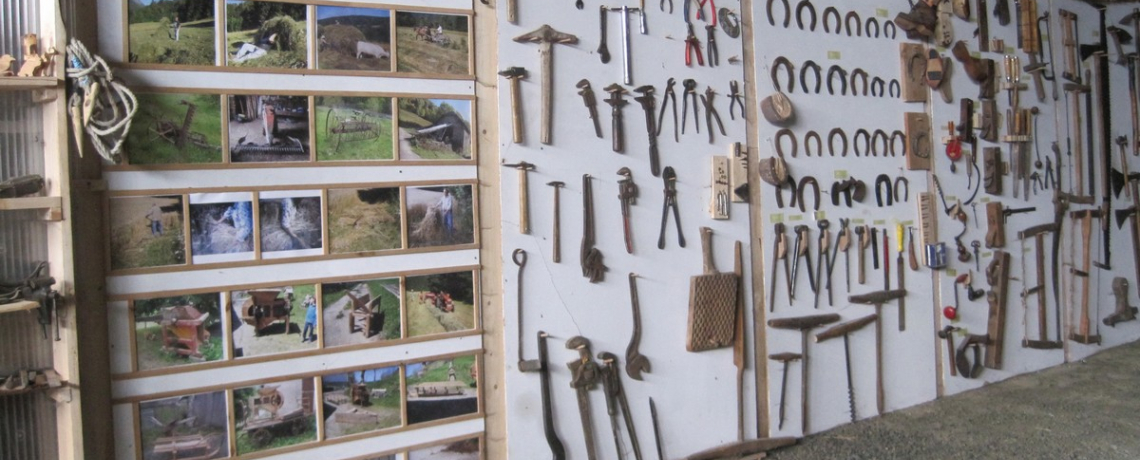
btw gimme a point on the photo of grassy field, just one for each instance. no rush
(179, 32)
(147, 231)
(441, 303)
(354, 128)
(354, 38)
(358, 312)
(176, 129)
(432, 43)
(361, 401)
(266, 34)
(362, 220)
(435, 129)
(175, 331)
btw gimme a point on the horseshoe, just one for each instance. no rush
(866, 142)
(906, 189)
(772, 17)
(789, 68)
(818, 143)
(808, 180)
(867, 26)
(842, 79)
(883, 179)
(886, 25)
(805, 5)
(780, 135)
(900, 136)
(880, 84)
(828, 12)
(875, 143)
(894, 89)
(818, 78)
(854, 85)
(858, 23)
(788, 181)
(831, 141)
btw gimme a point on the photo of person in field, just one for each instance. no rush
(268, 128)
(221, 227)
(178, 32)
(440, 216)
(432, 43)
(266, 34)
(147, 231)
(354, 38)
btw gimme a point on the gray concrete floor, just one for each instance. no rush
(1084, 410)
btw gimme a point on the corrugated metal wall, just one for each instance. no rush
(27, 422)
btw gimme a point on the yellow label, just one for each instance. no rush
(951, 198)
(776, 218)
(858, 221)
(820, 215)
(952, 272)
(976, 54)
(882, 12)
(907, 223)
(833, 55)
(984, 199)
(879, 222)
(795, 218)
(841, 174)
(1010, 50)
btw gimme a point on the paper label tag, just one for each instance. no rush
(776, 218)
(882, 12)
(858, 221)
(795, 218)
(952, 272)
(820, 215)
(841, 174)
(833, 55)
(879, 222)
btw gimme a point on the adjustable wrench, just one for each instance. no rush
(627, 193)
(585, 374)
(611, 385)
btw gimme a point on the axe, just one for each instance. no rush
(1121, 180)
(1119, 38)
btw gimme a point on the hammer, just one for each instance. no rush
(547, 37)
(514, 74)
(524, 198)
(804, 324)
(557, 220)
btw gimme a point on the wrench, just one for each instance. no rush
(603, 50)
(585, 374)
(635, 362)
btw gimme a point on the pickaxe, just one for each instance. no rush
(547, 37)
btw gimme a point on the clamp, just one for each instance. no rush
(735, 98)
(692, 44)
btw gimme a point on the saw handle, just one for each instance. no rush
(706, 250)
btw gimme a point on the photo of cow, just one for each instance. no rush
(351, 38)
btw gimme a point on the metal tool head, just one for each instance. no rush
(1121, 35)
(625, 172)
(578, 343)
(1132, 18)
(522, 165)
(583, 84)
(670, 84)
(514, 72)
(556, 184)
(669, 176)
(690, 85)
(607, 357)
(946, 331)
(645, 89)
(824, 224)
(709, 93)
(616, 89)
(785, 357)
(546, 34)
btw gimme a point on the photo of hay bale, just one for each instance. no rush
(290, 224)
(184, 427)
(275, 415)
(442, 389)
(432, 43)
(176, 129)
(177, 32)
(354, 38)
(361, 401)
(363, 220)
(435, 129)
(147, 231)
(440, 303)
(266, 34)
(440, 216)
(176, 331)
(354, 128)
(467, 449)
(357, 312)
(272, 320)
(221, 227)
(269, 128)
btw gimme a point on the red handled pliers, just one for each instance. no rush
(692, 44)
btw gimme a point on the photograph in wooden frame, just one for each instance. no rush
(267, 321)
(440, 303)
(146, 231)
(357, 312)
(266, 34)
(291, 223)
(466, 449)
(275, 415)
(268, 129)
(364, 220)
(173, 32)
(350, 38)
(190, 426)
(361, 401)
(176, 128)
(178, 331)
(221, 227)
(432, 43)
(442, 389)
(381, 457)
(352, 128)
(435, 129)
(440, 215)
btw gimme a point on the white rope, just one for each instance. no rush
(114, 106)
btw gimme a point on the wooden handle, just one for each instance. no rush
(706, 250)
(840, 330)
(524, 202)
(803, 322)
(516, 108)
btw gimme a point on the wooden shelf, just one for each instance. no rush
(22, 305)
(28, 83)
(35, 202)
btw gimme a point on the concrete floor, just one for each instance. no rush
(1083, 410)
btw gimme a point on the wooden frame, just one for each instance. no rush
(259, 258)
(228, 163)
(221, 61)
(230, 360)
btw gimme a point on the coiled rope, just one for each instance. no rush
(105, 106)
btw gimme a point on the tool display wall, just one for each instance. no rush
(961, 282)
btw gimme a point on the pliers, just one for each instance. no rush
(711, 113)
(692, 44)
(735, 99)
(700, 10)
(714, 55)
(690, 89)
(670, 178)
(669, 93)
